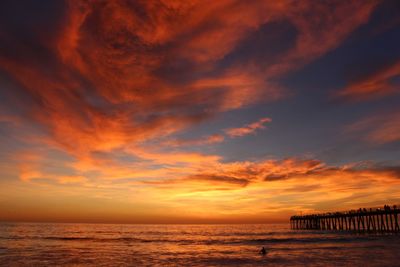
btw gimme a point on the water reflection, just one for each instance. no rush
(183, 245)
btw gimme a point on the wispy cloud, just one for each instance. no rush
(248, 129)
(375, 85)
(206, 140)
(378, 128)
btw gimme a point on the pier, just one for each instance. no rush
(384, 219)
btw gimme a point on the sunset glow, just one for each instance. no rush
(197, 111)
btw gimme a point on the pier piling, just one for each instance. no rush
(362, 220)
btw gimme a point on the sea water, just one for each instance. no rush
(54, 244)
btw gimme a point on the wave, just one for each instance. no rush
(203, 241)
(310, 240)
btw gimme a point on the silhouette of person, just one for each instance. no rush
(263, 251)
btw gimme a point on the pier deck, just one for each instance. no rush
(363, 220)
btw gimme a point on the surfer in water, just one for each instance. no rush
(263, 251)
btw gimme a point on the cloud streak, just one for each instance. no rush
(377, 129)
(377, 85)
(248, 129)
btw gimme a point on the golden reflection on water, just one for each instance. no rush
(184, 245)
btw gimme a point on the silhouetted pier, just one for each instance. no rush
(363, 220)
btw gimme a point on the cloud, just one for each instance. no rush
(104, 82)
(10, 119)
(376, 85)
(39, 167)
(206, 140)
(248, 129)
(72, 179)
(378, 128)
(320, 28)
(241, 174)
(287, 185)
(106, 75)
(292, 168)
(210, 179)
(320, 170)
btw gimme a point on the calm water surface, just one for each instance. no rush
(26, 244)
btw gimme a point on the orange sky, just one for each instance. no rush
(195, 111)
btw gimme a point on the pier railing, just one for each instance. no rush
(363, 220)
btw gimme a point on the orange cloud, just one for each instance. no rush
(376, 85)
(115, 78)
(248, 129)
(209, 139)
(39, 167)
(245, 173)
(379, 128)
(109, 75)
(321, 28)
(269, 170)
(196, 183)
(217, 138)
(282, 186)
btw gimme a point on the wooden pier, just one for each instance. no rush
(361, 220)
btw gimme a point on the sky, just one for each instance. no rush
(186, 111)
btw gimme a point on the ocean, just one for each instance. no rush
(54, 244)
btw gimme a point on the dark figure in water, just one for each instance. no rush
(263, 251)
